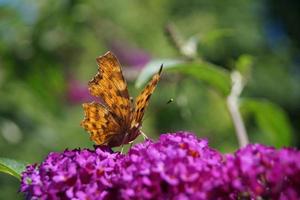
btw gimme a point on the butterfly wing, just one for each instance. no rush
(100, 123)
(143, 98)
(110, 85)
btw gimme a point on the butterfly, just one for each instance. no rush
(117, 120)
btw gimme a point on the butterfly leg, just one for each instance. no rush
(131, 143)
(144, 135)
(122, 147)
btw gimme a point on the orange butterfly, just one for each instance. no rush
(116, 121)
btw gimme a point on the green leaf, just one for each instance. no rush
(153, 67)
(215, 35)
(207, 72)
(272, 121)
(12, 167)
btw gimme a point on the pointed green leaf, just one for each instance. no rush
(153, 67)
(272, 121)
(12, 167)
(207, 72)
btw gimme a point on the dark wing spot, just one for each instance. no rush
(109, 95)
(148, 97)
(122, 93)
(123, 106)
(103, 127)
(114, 106)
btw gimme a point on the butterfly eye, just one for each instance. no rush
(131, 99)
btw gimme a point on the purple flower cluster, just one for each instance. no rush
(177, 166)
(73, 174)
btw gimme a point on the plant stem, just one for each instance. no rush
(232, 103)
(186, 48)
(189, 51)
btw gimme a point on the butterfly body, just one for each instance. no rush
(116, 119)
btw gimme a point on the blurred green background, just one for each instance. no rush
(48, 51)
